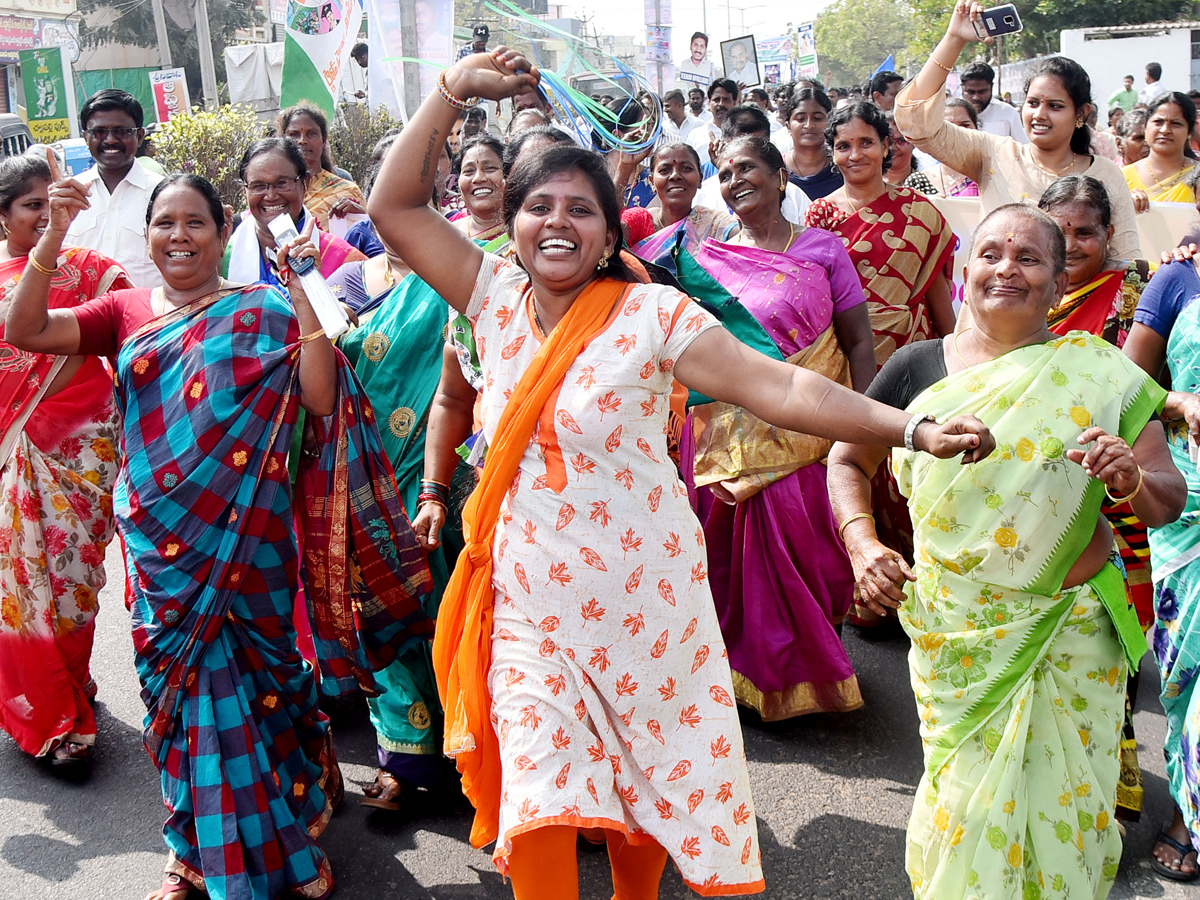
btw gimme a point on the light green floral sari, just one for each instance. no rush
(1020, 685)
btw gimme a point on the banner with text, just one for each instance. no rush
(316, 48)
(47, 101)
(806, 52)
(775, 59)
(170, 93)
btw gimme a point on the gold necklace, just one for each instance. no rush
(1161, 181)
(957, 352)
(740, 238)
(1070, 165)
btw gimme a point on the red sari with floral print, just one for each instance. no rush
(59, 455)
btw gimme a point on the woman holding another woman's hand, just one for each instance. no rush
(578, 654)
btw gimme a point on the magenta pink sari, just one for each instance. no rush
(781, 579)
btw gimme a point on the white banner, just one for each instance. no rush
(435, 49)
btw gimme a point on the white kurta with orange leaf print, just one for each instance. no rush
(611, 692)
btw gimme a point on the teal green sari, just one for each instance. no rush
(397, 355)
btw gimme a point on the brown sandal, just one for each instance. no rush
(71, 753)
(384, 793)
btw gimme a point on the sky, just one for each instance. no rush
(724, 18)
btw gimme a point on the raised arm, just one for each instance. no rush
(318, 359)
(399, 206)
(921, 106)
(29, 324)
(799, 400)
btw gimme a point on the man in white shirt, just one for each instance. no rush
(722, 97)
(677, 125)
(994, 118)
(698, 105)
(115, 223)
(354, 76)
(1154, 85)
(696, 70)
(748, 120)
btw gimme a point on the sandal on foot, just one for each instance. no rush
(174, 887)
(70, 753)
(1183, 850)
(90, 689)
(384, 793)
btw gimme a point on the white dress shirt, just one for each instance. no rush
(674, 134)
(795, 201)
(1000, 118)
(1151, 90)
(700, 138)
(115, 224)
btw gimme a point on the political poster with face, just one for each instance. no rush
(740, 59)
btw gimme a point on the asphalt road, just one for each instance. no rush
(832, 793)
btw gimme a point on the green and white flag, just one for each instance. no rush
(316, 49)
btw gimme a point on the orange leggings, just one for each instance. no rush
(542, 865)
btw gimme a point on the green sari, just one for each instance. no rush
(397, 355)
(1020, 685)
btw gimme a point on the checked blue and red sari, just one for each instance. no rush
(210, 395)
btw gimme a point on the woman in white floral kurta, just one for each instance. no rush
(579, 657)
(609, 682)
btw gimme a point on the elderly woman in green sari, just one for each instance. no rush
(1021, 630)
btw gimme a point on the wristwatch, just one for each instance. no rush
(911, 428)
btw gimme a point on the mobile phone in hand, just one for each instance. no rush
(1002, 20)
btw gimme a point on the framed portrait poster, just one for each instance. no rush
(740, 60)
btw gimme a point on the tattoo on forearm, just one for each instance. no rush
(427, 162)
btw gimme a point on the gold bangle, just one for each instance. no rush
(1130, 496)
(938, 63)
(39, 267)
(320, 332)
(858, 515)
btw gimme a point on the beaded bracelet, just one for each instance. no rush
(939, 64)
(450, 98)
(39, 267)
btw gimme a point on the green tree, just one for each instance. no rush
(1042, 21)
(125, 22)
(855, 36)
(211, 143)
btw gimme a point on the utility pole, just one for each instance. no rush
(208, 68)
(160, 29)
(657, 33)
(408, 45)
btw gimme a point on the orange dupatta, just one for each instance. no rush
(462, 645)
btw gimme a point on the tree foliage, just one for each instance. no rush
(132, 22)
(855, 36)
(211, 143)
(1043, 20)
(353, 135)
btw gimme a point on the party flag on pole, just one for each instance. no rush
(888, 65)
(316, 49)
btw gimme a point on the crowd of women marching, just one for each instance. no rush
(613, 448)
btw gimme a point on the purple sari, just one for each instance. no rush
(781, 579)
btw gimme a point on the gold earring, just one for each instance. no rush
(603, 264)
(1079, 123)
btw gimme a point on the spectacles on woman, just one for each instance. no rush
(282, 186)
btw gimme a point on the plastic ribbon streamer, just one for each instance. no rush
(592, 122)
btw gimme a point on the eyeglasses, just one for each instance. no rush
(900, 140)
(282, 186)
(101, 134)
